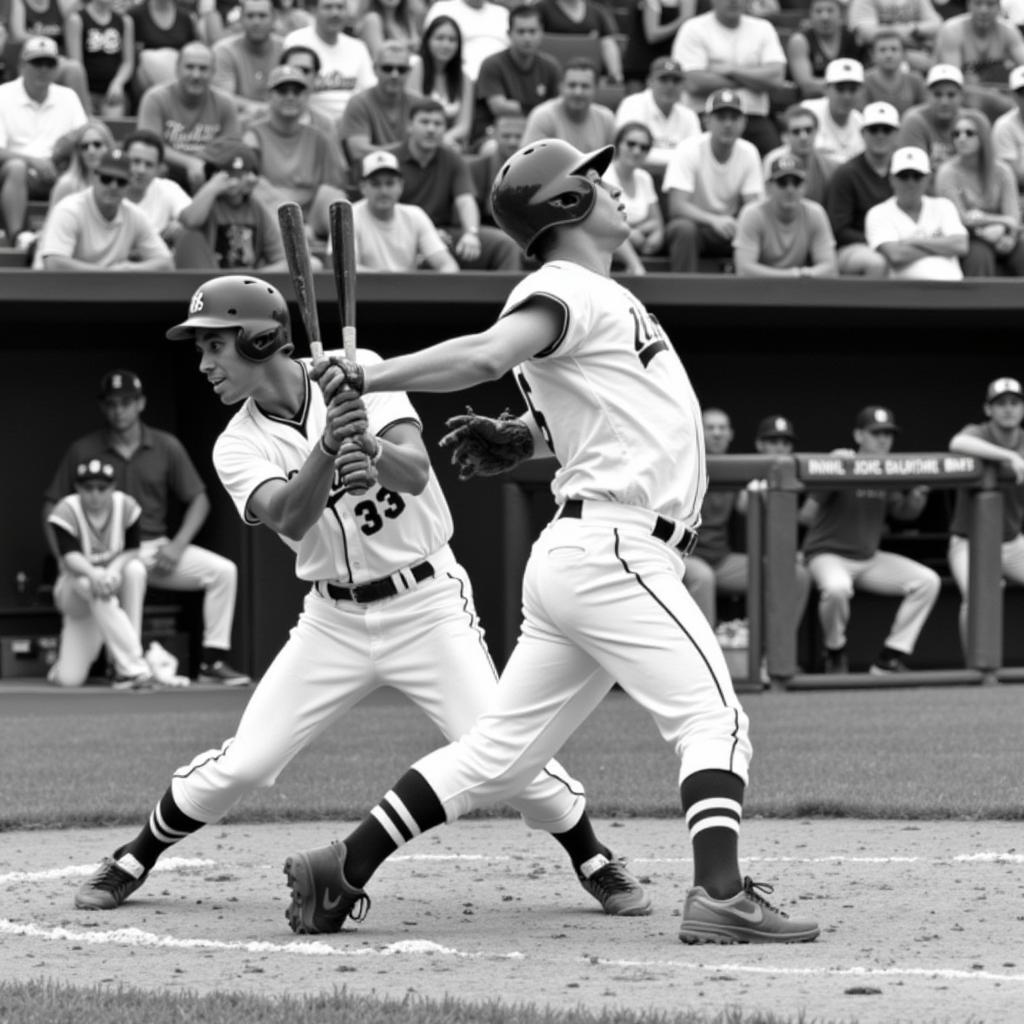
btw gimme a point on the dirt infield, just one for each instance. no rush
(920, 922)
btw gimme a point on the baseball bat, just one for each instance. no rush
(293, 234)
(343, 244)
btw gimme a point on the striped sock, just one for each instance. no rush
(407, 810)
(168, 824)
(713, 805)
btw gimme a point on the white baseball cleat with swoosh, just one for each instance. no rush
(322, 898)
(745, 917)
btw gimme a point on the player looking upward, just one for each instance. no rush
(603, 596)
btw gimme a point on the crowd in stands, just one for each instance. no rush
(758, 137)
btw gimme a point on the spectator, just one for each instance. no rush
(844, 530)
(97, 230)
(102, 40)
(86, 145)
(307, 63)
(159, 198)
(226, 226)
(626, 173)
(243, 61)
(439, 74)
(930, 125)
(708, 180)
(188, 114)
(727, 49)
(345, 63)
(393, 21)
(298, 162)
(985, 47)
(394, 237)
(1008, 131)
(437, 179)
(484, 28)
(586, 18)
(153, 467)
(775, 435)
(916, 21)
(1000, 439)
(573, 116)
(856, 187)
(289, 16)
(661, 108)
(784, 234)
(813, 46)
(47, 18)
(985, 194)
(889, 80)
(162, 30)
(799, 127)
(921, 237)
(483, 168)
(650, 27)
(514, 80)
(96, 532)
(839, 120)
(714, 567)
(34, 114)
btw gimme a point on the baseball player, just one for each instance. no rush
(1001, 439)
(388, 604)
(844, 528)
(96, 531)
(603, 596)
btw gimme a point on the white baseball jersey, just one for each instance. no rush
(100, 544)
(612, 398)
(359, 537)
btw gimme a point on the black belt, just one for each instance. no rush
(662, 529)
(378, 589)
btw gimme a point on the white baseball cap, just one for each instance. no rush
(945, 73)
(910, 158)
(844, 70)
(1017, 78)
(380, 160)
(1003, 386)
(881, 113)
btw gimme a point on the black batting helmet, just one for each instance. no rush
(544, 185)
(256, 308)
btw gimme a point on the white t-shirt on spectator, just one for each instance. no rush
(681, 123)
(346, 67)
(886, 222)
(398, 245)
(484, 30)
(163, 202)
(1008, 140)
(716, 187)
(31, 128)
(841, 142)
(639, 204)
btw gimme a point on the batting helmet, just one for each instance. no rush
(544, 185)
(256, 308)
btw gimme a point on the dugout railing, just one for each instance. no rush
(771, 542)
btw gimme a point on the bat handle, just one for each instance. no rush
(316, 350)
(348, 341)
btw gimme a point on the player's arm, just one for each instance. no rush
(403, 465)
(964, 443)
(808, 512)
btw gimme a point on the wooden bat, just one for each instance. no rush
(343, 244)
(293, 233)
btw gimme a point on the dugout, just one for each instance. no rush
(816, 351)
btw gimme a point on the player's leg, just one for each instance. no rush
(958, 556)
(123, 643)
(80, 638)
(833, 575)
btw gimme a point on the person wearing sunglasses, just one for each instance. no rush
(244, 60)
(921, 237)
(839, 119)
(626, 174)
(985, 194)
(81, 151)
(34, 114)
(930, 125)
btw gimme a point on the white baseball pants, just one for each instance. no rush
(1011, 556)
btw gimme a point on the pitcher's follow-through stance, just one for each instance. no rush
(603, 596)
(348, 486)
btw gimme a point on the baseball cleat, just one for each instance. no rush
(745, 917)
(618, 892)
(321, 897)
(220, 671)
(111, 884)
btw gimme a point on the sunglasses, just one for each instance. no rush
(789, 180)
(965, 133)
(670, 78)
(289, 89)
(395, 69)
(846, 87)
(44, 62)
(910, 176)
(644, 147)
(93, 144)
(879, 129)
(112, 179)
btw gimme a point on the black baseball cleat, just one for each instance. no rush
(745, 917)
(220, 671)
(618, 892)
(111, 884)
(887, 665)
(836, 663)
(321, 897)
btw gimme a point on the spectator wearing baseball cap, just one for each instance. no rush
(775, 435)
(839, 119)
(784, 234)
(391, 236)
(929, 126)
(844, 529)
(1000, 439)
(726, 48)
(889, 79)
(920, 236)
(799, 128)
(1008, 131)
(857, 186)
(662, 109)
(984, 192)
(709, 179)
(824, 32)
(916, 21)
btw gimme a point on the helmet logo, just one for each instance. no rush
(196, 305)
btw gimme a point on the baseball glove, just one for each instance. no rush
(482, 446)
